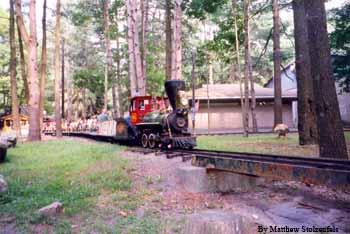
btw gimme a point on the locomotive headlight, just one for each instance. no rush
(180, 122)
(184, 101)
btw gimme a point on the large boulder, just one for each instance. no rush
(3, 185)
(51, 210)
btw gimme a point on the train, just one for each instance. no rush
(153, 122)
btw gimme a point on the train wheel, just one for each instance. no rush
(144, 140)
(152, 140)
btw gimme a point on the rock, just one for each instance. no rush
(3, 185)
(52, 209)
(195, 179)
(123, 213)
(281, 129)
(228, 181)
(218, 222)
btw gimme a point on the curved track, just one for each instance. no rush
(332, 172)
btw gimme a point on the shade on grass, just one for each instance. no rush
(71, 172)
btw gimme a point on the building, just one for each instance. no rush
(219, 107)
(289, 82)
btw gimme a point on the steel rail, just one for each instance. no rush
(297, 160)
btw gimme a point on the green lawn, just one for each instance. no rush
(260, 143)
(74, 173)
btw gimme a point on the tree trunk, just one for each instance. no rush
(108, 53)
(13, 65)
(33, 81)
(307, 125)
(62, 80)
(43, 68)
(246, 69)
(177, 63)
(138, 64)
(210, 68)
(57, 72)
(330, 129)
(118, 110)
(234, 13)
(130, 39)
(249, 69)
(144, 24)
(277, 65)
(69, 93)
(83, 111)
(23, 65)
(168, 40)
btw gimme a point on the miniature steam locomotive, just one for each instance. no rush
(152, 122)
(155, 125)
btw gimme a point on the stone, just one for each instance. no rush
(53, 209)
(3, 185)
(218, 222)
(199, 179)
(228, 181)
(195, 179)
(282, 130)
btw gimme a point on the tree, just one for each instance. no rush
(238, 61)
(43, 66)
(33, 81)
(307, 126)
(13, 64)
(108, 54)
(330, 129)
(141, 83)
(168, 40)
(340, 40)
(144, 25)
(130, 39)
(177, 42)
(277, 65)
(247, 63)
(57, 71)
(23, 65)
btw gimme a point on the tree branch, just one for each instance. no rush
(265, 47)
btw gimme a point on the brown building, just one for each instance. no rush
(224, 108)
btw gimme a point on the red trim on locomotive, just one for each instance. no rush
(142, 105)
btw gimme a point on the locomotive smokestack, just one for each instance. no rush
(171, 88)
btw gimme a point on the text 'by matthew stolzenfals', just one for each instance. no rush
(301, 229)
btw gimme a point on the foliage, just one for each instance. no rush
(340, 43)
(71, 172)
(93, 80)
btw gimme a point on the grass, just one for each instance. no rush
(260, 143)
(74, 173)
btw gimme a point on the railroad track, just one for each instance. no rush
(330, 172)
